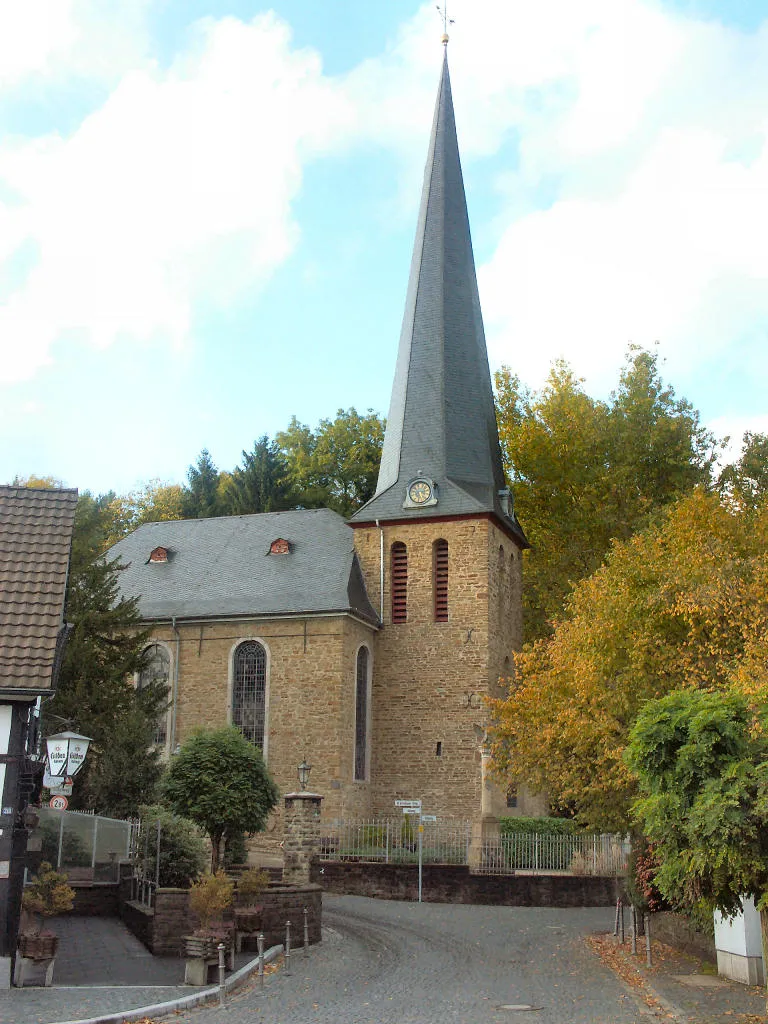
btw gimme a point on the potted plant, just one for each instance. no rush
(209, 897)
(45, 896)
(248, 912)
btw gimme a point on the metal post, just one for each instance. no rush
(621, 921)
(61, 841)
(306, 932)
(93, 848)
(157, 860)
(144, 866)
(287, 947)
(616, 920)
(386, 848)
(222, 969)
(260, 945)
(421, 847)
(633, 926)
(648, 957)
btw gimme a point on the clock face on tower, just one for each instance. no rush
(420, 493)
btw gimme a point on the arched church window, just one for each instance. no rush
(440, 561)
(249, 691)
(156, 668)
(361, 715)
(399, 582)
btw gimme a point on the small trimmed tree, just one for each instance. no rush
(219, 780)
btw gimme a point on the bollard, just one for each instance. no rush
(633, 927)
(648, 957)
(260, 944)
(222, 969)
(287, 947)
(306, 932)
(616, 922)
(621, 922)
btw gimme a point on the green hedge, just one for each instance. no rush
(539, 826)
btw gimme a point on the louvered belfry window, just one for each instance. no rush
(249, 691)
(399, 582)
(361, 714)
(441, 581)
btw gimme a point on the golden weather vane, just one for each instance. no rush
(443, 12)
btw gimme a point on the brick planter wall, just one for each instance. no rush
(448, 883)
(96, 899)
(162, 929)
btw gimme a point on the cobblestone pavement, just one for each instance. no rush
(386, 962)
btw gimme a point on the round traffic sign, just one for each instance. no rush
(58, 803)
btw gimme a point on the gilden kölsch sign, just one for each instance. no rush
(66, 753)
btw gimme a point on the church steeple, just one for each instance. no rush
(441, 453)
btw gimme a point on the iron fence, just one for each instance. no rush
(448, 841)
(87, 847)
(396, 840)
(537, 854)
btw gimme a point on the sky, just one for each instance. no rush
(207, 211)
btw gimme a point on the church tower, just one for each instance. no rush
(439, 543)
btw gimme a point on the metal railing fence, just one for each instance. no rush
(539, 854)
(449, 841)
(396, 840)
(87, 847)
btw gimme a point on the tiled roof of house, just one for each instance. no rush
(35, 540)
(231, 566)
(442, 421)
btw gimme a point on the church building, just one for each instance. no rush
(368, 647)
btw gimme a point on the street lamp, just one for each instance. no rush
(66, 753)
(304, 769)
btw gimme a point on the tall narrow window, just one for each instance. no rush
(441, 580)
(249, 691)
(399, 582)
(361, 715)
(156, 669)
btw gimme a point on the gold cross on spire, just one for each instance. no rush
(443, 12)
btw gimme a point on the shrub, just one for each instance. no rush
(182, 850)
(210, 896)
(47, 895)
(251, 885)
(538, 826)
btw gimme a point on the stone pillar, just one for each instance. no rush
(301, 836)
(485, 829)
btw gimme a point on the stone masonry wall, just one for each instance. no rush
(310, 696)
(448, 883)
(430, 678)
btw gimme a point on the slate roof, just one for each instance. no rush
(442, 421)
(35, 540)
(222, 567)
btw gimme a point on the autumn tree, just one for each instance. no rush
(682, 603)
(745, 482)
(586, 472)
(335, 466)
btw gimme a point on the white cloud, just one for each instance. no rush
(178, 187)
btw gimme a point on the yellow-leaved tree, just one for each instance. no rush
(684, 603)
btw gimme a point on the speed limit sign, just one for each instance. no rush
(58, 803)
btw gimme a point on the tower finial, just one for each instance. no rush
(443, 12)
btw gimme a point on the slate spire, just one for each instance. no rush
(441, 427)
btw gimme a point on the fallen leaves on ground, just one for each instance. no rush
(615, 958)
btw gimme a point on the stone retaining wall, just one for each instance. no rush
(162, 928)
(677, 931)
(448, 883)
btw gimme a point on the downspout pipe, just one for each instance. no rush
(381, 572)
(175, 691)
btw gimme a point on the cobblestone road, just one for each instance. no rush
(401, 963)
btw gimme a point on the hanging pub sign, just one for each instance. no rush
(66, 753)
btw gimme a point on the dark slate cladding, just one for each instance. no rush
(35, 538)
(222, 567)
(442, 421)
